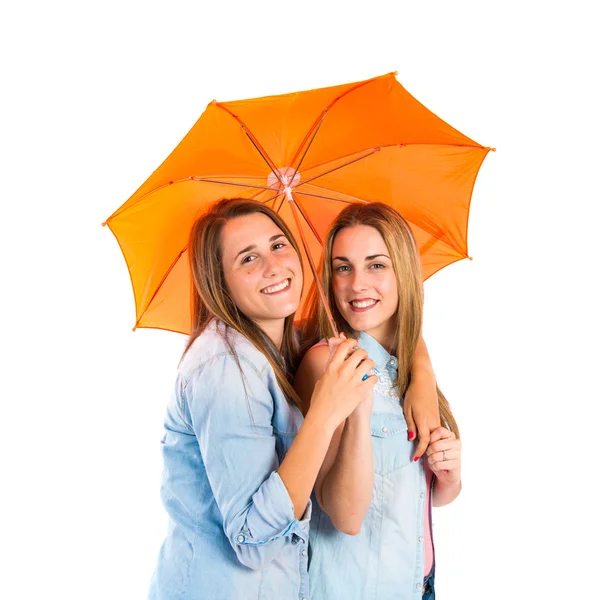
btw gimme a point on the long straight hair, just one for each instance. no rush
(212, 300)
(400, 242)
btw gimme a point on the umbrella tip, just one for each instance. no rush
(104, 224)
(470, 257)
(491, 149)
(134, 328)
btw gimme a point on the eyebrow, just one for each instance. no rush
(253, 246)
(370, 257)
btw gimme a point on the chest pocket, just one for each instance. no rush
(391, 448)
(286, 422)
(283, 441)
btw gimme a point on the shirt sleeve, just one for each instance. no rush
(231, 412)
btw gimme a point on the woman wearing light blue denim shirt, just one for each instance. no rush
(239, 462)
(370, 531)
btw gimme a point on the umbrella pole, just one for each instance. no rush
(311, 262)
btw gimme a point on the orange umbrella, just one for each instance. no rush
(307, 155)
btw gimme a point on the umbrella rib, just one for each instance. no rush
(230, 176)
(175, 182)
(255, 142)
(384, 147)
(272, 198)
(435, 237)
(373, 151)
(307, 148)
(378, 149)
(259, 187)
(333, 199)
(308, 222)
(280, 204)
(331, 104)
(167, 273)
(352, 198)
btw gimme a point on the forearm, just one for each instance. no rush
(348, 488)
(422, 368)
(445, 493)
(300, 467)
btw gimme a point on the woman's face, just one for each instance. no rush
(262, 270)
(364, 282)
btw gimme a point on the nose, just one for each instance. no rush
(359, 283)
(272, 266)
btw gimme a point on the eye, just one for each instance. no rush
(278, 245)
(248, 258)
(377, 266)
(342, 268)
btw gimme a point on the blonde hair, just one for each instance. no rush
(211, 298)
(401, 245)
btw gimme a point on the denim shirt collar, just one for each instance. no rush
(383, 359)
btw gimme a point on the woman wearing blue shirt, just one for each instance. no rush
(370, 530)
(239, 461)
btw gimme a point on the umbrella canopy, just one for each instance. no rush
(307, 155)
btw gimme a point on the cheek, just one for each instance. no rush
(389, 291)
(292, 262)
(240, 284)
(338, 290)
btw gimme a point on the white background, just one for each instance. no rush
(96, 95)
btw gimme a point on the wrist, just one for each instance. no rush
(360, 418)
(320, 421)
(361, 414)
(440, 483)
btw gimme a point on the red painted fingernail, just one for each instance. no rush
(416, 458)
(411, 435)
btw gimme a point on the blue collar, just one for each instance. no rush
(383, 359)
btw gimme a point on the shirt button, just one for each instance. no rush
(384, 429)
(392, 361)
(303, 552)
(240, 538)
(418, 586)
(421, 539)
(422, 495)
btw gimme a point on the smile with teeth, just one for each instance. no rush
(363, 303)
(276, 288)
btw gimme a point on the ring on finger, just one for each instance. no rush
(444, 454)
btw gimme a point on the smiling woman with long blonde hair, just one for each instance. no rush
(370, 530)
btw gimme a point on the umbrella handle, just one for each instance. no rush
(311, 262)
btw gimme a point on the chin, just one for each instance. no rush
(362, 323)
(285, 311)
(355, 324)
